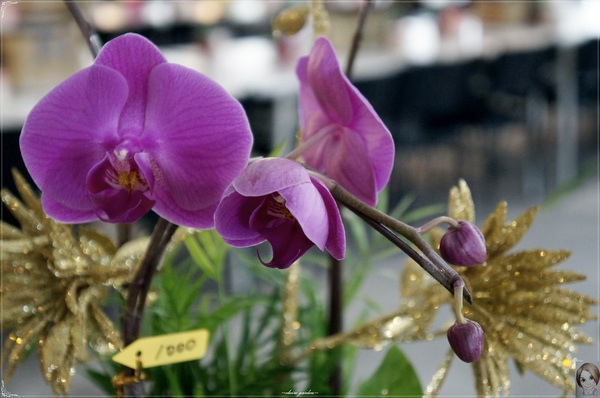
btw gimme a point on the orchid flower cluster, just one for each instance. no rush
(134, 133)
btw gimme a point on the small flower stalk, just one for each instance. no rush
(463, 244)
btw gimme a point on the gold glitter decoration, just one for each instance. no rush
(518, 301)
(320, 18)
(291, 20)
(55, 278)
(290, 324)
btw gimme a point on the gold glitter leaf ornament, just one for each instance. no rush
(55, 278)
(518, 300)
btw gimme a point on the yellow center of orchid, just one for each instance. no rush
(129, 180)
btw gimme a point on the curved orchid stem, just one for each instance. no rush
(437, 221)
(389, 226)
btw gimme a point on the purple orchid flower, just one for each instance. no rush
(277, 200)
(133, 133)
(344, 137)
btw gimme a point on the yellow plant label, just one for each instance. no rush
(164, 350)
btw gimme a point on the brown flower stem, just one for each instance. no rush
(336, 320)
(358, 34)
(139, 287)
(427, 265)
(89, 33)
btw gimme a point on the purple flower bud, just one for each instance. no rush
(464, 245)
(466, 340)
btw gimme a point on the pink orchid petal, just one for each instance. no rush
(67, 215)
(353, 175)
(197, 135)
(305, 203)
(336, 239)
(327, 98)
(134, 57)
(378, 142)
(66, 133)
(328, 82)
(199, 219)
(265, 176)
(312, 118)
(233, 215)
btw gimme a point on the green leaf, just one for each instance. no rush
(275, 152)
(394, 377)
(232, 307)
(208, 250)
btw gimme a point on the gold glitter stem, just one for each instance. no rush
(439, 377)
(289, 321)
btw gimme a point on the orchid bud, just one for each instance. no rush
(463, 245)
(466, 340)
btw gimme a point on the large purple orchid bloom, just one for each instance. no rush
(277, 200)
(132, 133)
(345, 138)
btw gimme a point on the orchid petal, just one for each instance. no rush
(312, 118)
(134, 57)
(198, 136)
(329, 103)
(328, 82)
(67, 214)
(268, 175)
(378, 142)
(93, 99)
(233, 215)
(336, 240)
(331, 156)
(306, 205)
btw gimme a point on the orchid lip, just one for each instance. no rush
(121, 187)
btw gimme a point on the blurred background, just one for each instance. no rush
(502, 94)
